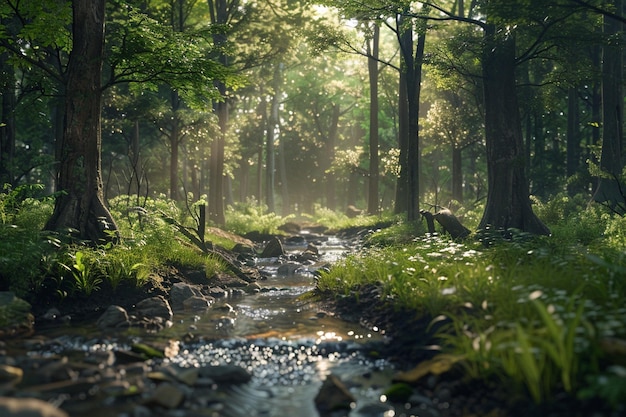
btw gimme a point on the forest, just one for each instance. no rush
(130, 126)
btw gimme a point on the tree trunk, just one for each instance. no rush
(7, 128)
(333, 130)
(611, 162)
(573, 141)
(81, 206)
(401, 201)
(508, 203)
(372, 66)
(219, 12)
(457, 174)
(412, 58)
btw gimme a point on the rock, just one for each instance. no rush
(113, 316)
(289, 268)
(352, 211)
(154, 307)
(124, 357)
(333, 395)
(167, 395)
(197, 303)
(399, 392)
(225, 280)
(225, 374)
(290, 227)
(28, 407)
(252, 288)
(10, 376)
(375, 410)
(273, 249)
(244, 249)
(15, 315)
(52, 314)
(182, 291)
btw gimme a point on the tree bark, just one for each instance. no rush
(412, 59)
(611, 158)
(7, 129)
(372, 66)
(81, 205)
(508, 203)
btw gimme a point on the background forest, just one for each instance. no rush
(280, 103)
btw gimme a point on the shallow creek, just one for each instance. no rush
(288, 346)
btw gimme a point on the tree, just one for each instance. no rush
(372, 65)
(81, 206)
(612, 156)
(508, 203)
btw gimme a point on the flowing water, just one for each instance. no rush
(286, 344)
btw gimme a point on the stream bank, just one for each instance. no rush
(270, 346)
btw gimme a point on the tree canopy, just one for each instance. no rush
(288, 104)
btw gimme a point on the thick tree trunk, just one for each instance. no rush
(611, 158)
(508, 203)
(81, 206)
(219, 11)
(412, 58)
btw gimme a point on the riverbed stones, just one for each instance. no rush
(28, 407)
(225, 280)
(154, 307)
(167, 395)
(225, 374)
(273, 249)
(10, 376)
(15, 315)
(181, 291)
(114, 316)
(333, 396)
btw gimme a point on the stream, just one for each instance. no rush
(287, 346)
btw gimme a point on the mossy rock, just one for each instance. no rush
(399, 393)
(15, 315)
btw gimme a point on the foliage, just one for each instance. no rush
(528, 310)
(35, 263)
(337, 221)
(242, 218)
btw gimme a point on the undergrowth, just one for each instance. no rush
(536, 313)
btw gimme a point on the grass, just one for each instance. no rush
(532, 312)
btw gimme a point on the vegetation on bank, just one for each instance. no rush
(156, 234)
(543, 315)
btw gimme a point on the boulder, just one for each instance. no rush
(154, 307)
(28, 407)
(273, 249)
(113, 316)
(15, 315)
